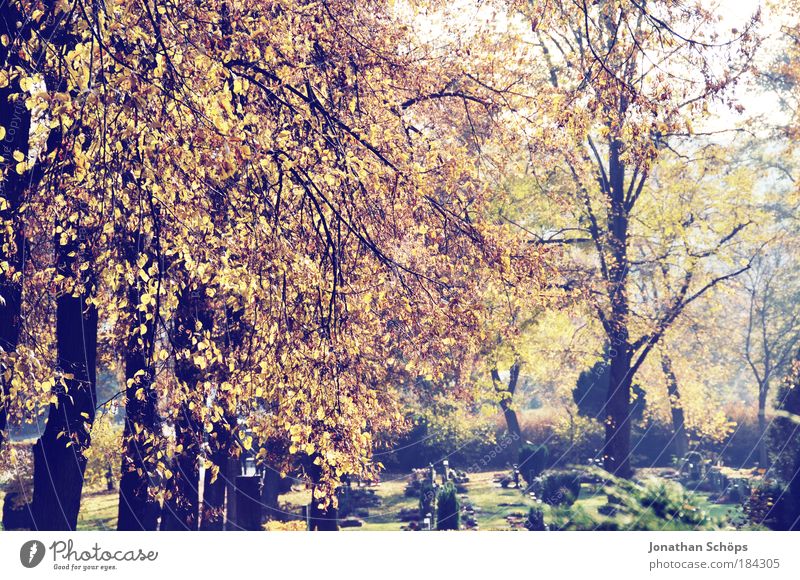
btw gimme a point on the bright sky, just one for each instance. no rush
(735, 13)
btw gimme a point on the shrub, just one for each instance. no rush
(535, 521)
(785, 450)
(426, 496)
(448, 516)
(652, 505)
(769, 505)
(465, 443)
(668, 501)
(591, 391)
(557, 487)
(16, 480)
(737, 447)
(532, 461)
(652, 444)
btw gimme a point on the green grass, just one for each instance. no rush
(493, 504)
(384, 516)
(99, 511)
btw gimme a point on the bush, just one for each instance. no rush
(770, 505)
(468, 447)
(16, 480)
(591, 391)
(785, 450)
(426, 495)
(652, 505)
(448, 516)
(668, 501)
(532, 461)
(535, 521)
(557, 487)
(570, 438)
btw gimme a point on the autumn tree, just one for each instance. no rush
(772, 325)
(612, 70)
(274, 168)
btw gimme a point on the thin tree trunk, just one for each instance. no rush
(322, 519)
(59, 461)
(181, 508)
(763, 459)
(681, 439)
(506, 405)
(221, 440)
(138, 509)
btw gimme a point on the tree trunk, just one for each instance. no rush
(763, 459)
(616, 451)
(214, 491)
(15, 118)
(506, 404)
(181, 508)
(221, 440)
(233, 469)
(59, 461)
(681, 439)
(270, 493)
(138, 509)
(322, 519)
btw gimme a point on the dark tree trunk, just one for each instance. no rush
(616, 452)
(270, 493)
(681, 439)
(181, 508)
(221, 440)
(248, 503)
(59, 461)
(138, 509)
(15, 118)
(322, 519)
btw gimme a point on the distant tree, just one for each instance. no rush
(611, 70)
(772, 287)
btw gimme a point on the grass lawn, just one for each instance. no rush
(492, 504)
(98, 511)
(495, 503)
